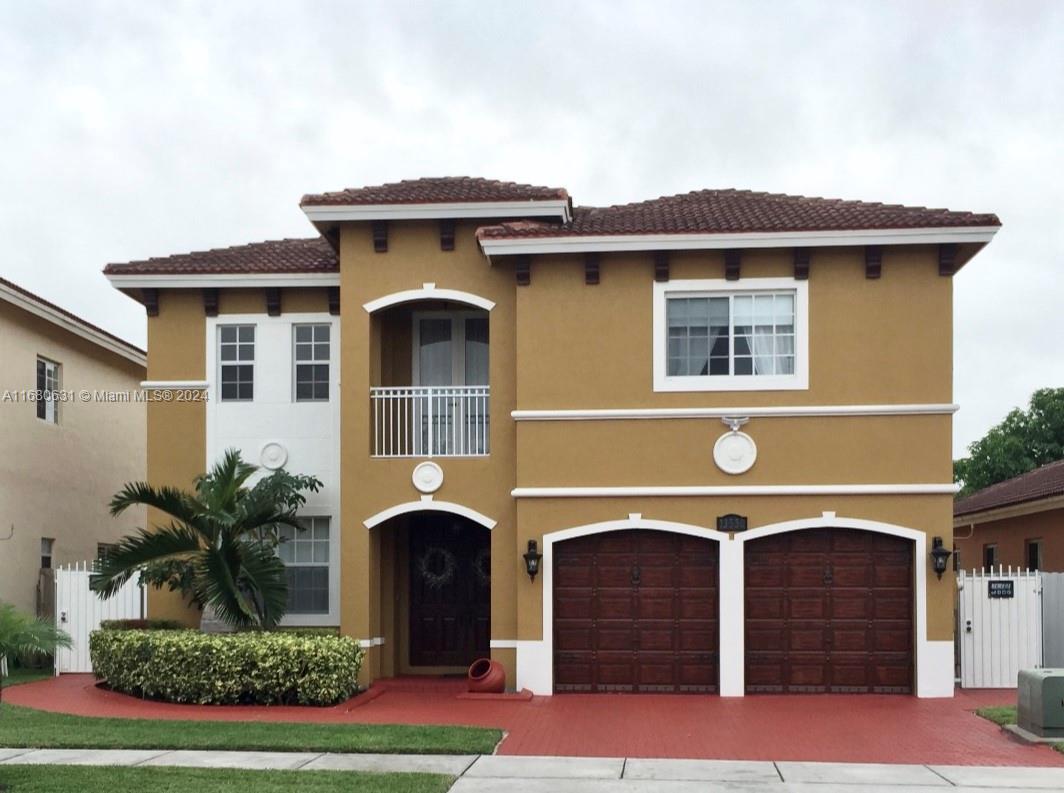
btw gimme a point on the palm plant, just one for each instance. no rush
(20, 634)
(219, 547)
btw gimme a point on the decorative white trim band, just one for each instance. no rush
(76, 326)
(428, 504)
(735, 490)
(793, 411)
(503, 644)
(230, 280)
(176, 385)
(376, 641)
(775, 239)
(556, 207)
(428, 292)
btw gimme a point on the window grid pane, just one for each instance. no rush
(312, 363)
(236, 351)
(739, 334)
(305, 555)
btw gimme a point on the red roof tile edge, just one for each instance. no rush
(1044, 482)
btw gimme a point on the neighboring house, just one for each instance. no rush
(723, 418)
(1017, 523)
(62, 458)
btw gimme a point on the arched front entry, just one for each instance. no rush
(435, 587)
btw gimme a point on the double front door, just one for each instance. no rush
(450, 591)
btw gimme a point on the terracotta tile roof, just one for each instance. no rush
(1040, 483)
(311, 255)
(441, 190)
(732, 211)
(52, 307)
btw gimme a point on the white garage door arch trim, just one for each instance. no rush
(535, 659)
(934, 659)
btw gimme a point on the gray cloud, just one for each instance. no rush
(134, 129)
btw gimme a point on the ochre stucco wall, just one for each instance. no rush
(559, 343)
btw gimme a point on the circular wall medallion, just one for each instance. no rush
(427, 477)
(273, 456)
(735, 452)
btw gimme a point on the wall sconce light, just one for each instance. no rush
(532, 559)
(940, 555)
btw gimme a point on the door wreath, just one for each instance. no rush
(437, 567)
(482, 566)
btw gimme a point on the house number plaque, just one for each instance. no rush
(1001, 589)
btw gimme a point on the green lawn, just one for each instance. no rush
(1006, 714)
(87, 779)
(21, 675)
(27, 727)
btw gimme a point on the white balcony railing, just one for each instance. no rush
(430, 421)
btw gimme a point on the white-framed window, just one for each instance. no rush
(311, 360)
(306, 556)
(717, 335)
(47, 551)
(236, 356)
(47, 386)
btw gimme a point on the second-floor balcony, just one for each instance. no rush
(430, 421)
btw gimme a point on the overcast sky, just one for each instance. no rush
(135, 129)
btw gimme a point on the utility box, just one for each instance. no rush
(1041, 702)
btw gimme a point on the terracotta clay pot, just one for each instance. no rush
(486, 677)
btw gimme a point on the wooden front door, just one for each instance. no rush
(450, 591)
(829, 610)
(635, 611)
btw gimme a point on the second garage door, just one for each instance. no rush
(829, 610)
(635, 611)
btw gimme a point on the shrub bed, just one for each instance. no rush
(224, 669)
(142, 625)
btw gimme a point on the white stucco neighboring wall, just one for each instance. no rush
(307, 432)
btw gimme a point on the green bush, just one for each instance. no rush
(224, 669)
(142, 625)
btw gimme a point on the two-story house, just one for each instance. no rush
(699, 443)
(72, 432)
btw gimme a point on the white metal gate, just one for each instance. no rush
(1000, 626)
(79, 611)
(1053, 620)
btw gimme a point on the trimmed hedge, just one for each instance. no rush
(224, 669)
(142, 625)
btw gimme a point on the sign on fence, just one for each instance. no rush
(79, 611)
(999, 626)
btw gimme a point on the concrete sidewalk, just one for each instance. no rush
(505, 774)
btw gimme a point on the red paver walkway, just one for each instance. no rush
(835, 728)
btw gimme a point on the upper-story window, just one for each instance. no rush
(236, 352)
(312, 363)
(47, 386)
(731, 335)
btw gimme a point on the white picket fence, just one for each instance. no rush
(999, 626)
(79, 611)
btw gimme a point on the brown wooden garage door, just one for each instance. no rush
(635, 611)
(829, 610)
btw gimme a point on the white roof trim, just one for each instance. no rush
(194, 280)
(773, 239)
(428, 292)
(607, 414)
(735, 490)
(555, 207)
(76, 326)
